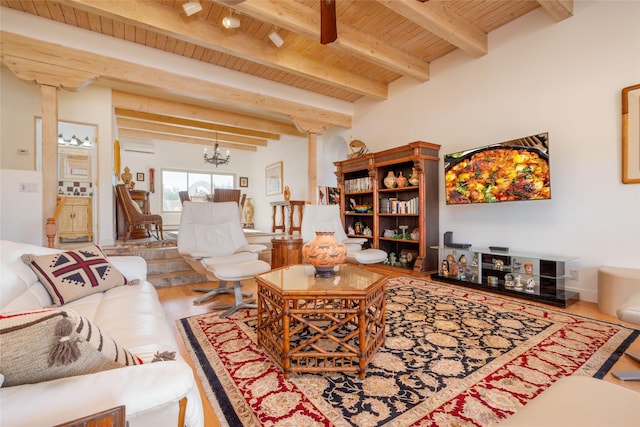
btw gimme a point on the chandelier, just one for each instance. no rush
(217, 158)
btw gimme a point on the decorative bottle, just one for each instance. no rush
(390, 180)
(413, 178)
(401, 180)
(247, 211)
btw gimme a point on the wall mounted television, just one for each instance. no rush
(504, 172)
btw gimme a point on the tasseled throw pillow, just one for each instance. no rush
(54, 343)
(71, 275)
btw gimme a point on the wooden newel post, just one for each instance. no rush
(50, 231)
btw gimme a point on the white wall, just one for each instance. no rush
(20, 103)
(563, 78)
(21, 210)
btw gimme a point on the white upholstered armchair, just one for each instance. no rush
(213, 243)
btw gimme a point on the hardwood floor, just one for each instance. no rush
(178, 303)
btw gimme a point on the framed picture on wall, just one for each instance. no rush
(273, 178)
(631, 135)
(244, 181)
(140, 176)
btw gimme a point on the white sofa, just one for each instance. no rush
(135, 319)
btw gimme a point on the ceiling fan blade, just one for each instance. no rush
(328, 27)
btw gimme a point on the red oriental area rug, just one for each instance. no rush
(452, 357)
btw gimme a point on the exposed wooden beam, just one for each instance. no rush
(435, 16)
(148, 104)
(141, 134)
(559, 10)
(178, 121)
(114, 69)
(304, 20)
(170, 22)
(125, 123)
(49, 75)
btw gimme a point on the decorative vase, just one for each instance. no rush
(390, 180)
(413, 178)
(287, 193)
(401, 180)
(247, 211)
(126, 176)
(324, 253)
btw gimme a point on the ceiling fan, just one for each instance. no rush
(328, 27)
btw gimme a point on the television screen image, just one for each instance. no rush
(508, 171)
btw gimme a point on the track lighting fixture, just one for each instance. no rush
(275, 38)
(230, 22)
(191, 7)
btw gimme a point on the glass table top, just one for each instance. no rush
(300, 278)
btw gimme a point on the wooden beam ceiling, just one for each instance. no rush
(434, 16)
(171, 22)
(146, 104)
(304, 20)
(196, 124)
(141, 134)
(16, 46)
(159, 127)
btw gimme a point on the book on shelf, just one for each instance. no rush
(394, 206)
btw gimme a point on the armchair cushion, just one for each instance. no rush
(55, 343)
(71, 275)
(215, 237)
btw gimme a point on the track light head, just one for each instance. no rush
(191, 7)
(275, 38)
(230, 22)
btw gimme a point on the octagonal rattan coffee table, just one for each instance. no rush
(316, 324)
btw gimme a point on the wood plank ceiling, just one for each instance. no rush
(378, 42)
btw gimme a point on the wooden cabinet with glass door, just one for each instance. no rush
(403, 217)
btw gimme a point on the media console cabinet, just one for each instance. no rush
(534, 277)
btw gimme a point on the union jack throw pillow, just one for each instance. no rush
(71, 275)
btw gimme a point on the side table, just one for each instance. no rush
(286, 250)
(321, 324)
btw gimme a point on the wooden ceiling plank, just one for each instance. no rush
(559, 10)
(132, 133)
(118, 70)
(173, 108)
(304, 20)
(151, 16)
(434, 16)
(178, 121)
(170, 129)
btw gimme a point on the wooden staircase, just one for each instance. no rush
(165, 266)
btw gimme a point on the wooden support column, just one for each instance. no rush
(49, 99)
(312, 129)
(49, 77)
(312, 166)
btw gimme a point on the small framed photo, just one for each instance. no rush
(140, 176)
(244, 181)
